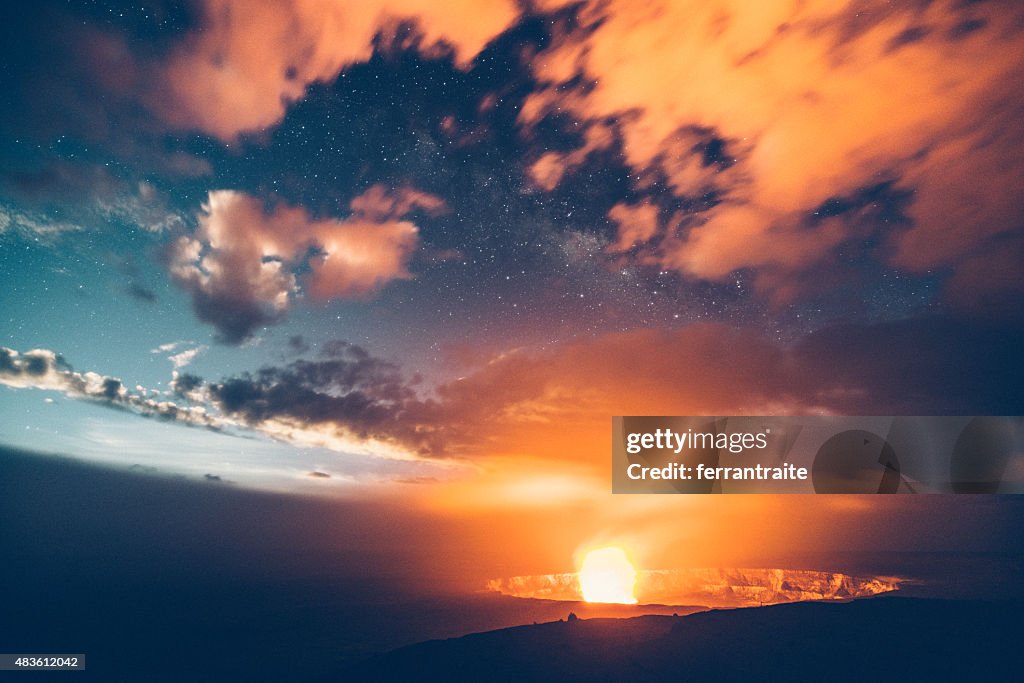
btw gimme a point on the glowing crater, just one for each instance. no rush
(708, 587)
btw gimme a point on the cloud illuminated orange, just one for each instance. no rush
(249, 60)
(240, 265)
(811, 101)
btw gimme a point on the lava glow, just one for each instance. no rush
(607, 575)
(709, 587)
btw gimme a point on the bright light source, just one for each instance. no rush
(608, 576)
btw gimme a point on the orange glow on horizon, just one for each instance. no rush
(607, 575)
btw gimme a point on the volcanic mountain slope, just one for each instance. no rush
(879, 639)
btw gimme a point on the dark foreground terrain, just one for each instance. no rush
(887, 638)
(157, 578)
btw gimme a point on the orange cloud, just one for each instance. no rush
(549, 169)
(806, 101)
(249, 60)
(552, 407)
(636, 223)
(240, 265)
(557, 405)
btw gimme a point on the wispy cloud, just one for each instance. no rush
(33, 225)
(180, 360)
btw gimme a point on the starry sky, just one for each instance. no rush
(318, 246)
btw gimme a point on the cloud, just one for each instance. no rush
(636, 224)
(377, 204)
(83, 194)
(554, 404)
(241, 265)
(925, 366)
(45, 369)
(141, 293)
(32, 225)
(350, 392)
(168, 347)
(297, 345)
(180, 360)
(246, 61)
(756, 117)
(549, 169)
(190, 388)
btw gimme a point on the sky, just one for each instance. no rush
(426, 250)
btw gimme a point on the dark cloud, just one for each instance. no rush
(37, 365)
(141, 293)
(33, 365)
(185, 382)
(339, 348)
(75, 75)
(921, 366)
(44, 369)
(110, 388)
(297, 344)
(7, 365)
(363, 395)
(61, 180)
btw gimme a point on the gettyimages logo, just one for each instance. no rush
(736, 442)
(817, 454)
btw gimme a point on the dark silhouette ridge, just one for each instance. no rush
(879, 639)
